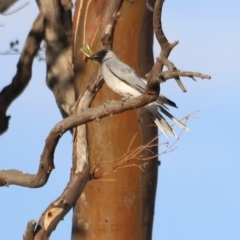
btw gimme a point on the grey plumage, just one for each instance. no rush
(124, 81)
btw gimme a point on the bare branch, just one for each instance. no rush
(80, 169)
(58, 41)
(46, 163)
(61, 206)
(135, 154)
(109, 22)
(3, 8)
(175, 73)
(180, 84)
(79, 175)
(166, 48)
(29, 232)
(179, 73)
(60, 79)
(24, 71)
(5, 4)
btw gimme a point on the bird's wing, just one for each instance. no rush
(126, 74)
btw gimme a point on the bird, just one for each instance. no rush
(124, 81)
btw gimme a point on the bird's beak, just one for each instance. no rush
(86, 50)
(94, 58)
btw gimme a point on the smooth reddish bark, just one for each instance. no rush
(119, 205)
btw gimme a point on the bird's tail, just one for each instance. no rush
(155, 111)
(163, 100)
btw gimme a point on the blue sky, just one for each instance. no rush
(198, 195)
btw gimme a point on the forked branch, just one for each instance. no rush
(16, 177)
(166, 49)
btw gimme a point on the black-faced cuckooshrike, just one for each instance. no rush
(124, 81)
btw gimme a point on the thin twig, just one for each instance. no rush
(134, 154)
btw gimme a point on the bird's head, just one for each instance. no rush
(99, 56)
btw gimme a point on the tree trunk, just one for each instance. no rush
(119, 205)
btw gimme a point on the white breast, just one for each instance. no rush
(117, 85)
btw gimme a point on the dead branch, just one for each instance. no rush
(80, 169)
(24, 71)
(60, 80)
(175, 73)
(46, 163)
(121, 161)
(88, 115)
(78, 179)
(58, 42)
(109, 22)
(179, 73)
(79, 175)
(5, 4)
(166, 47)
(136, 153)
(61, 206)
(29, 232)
